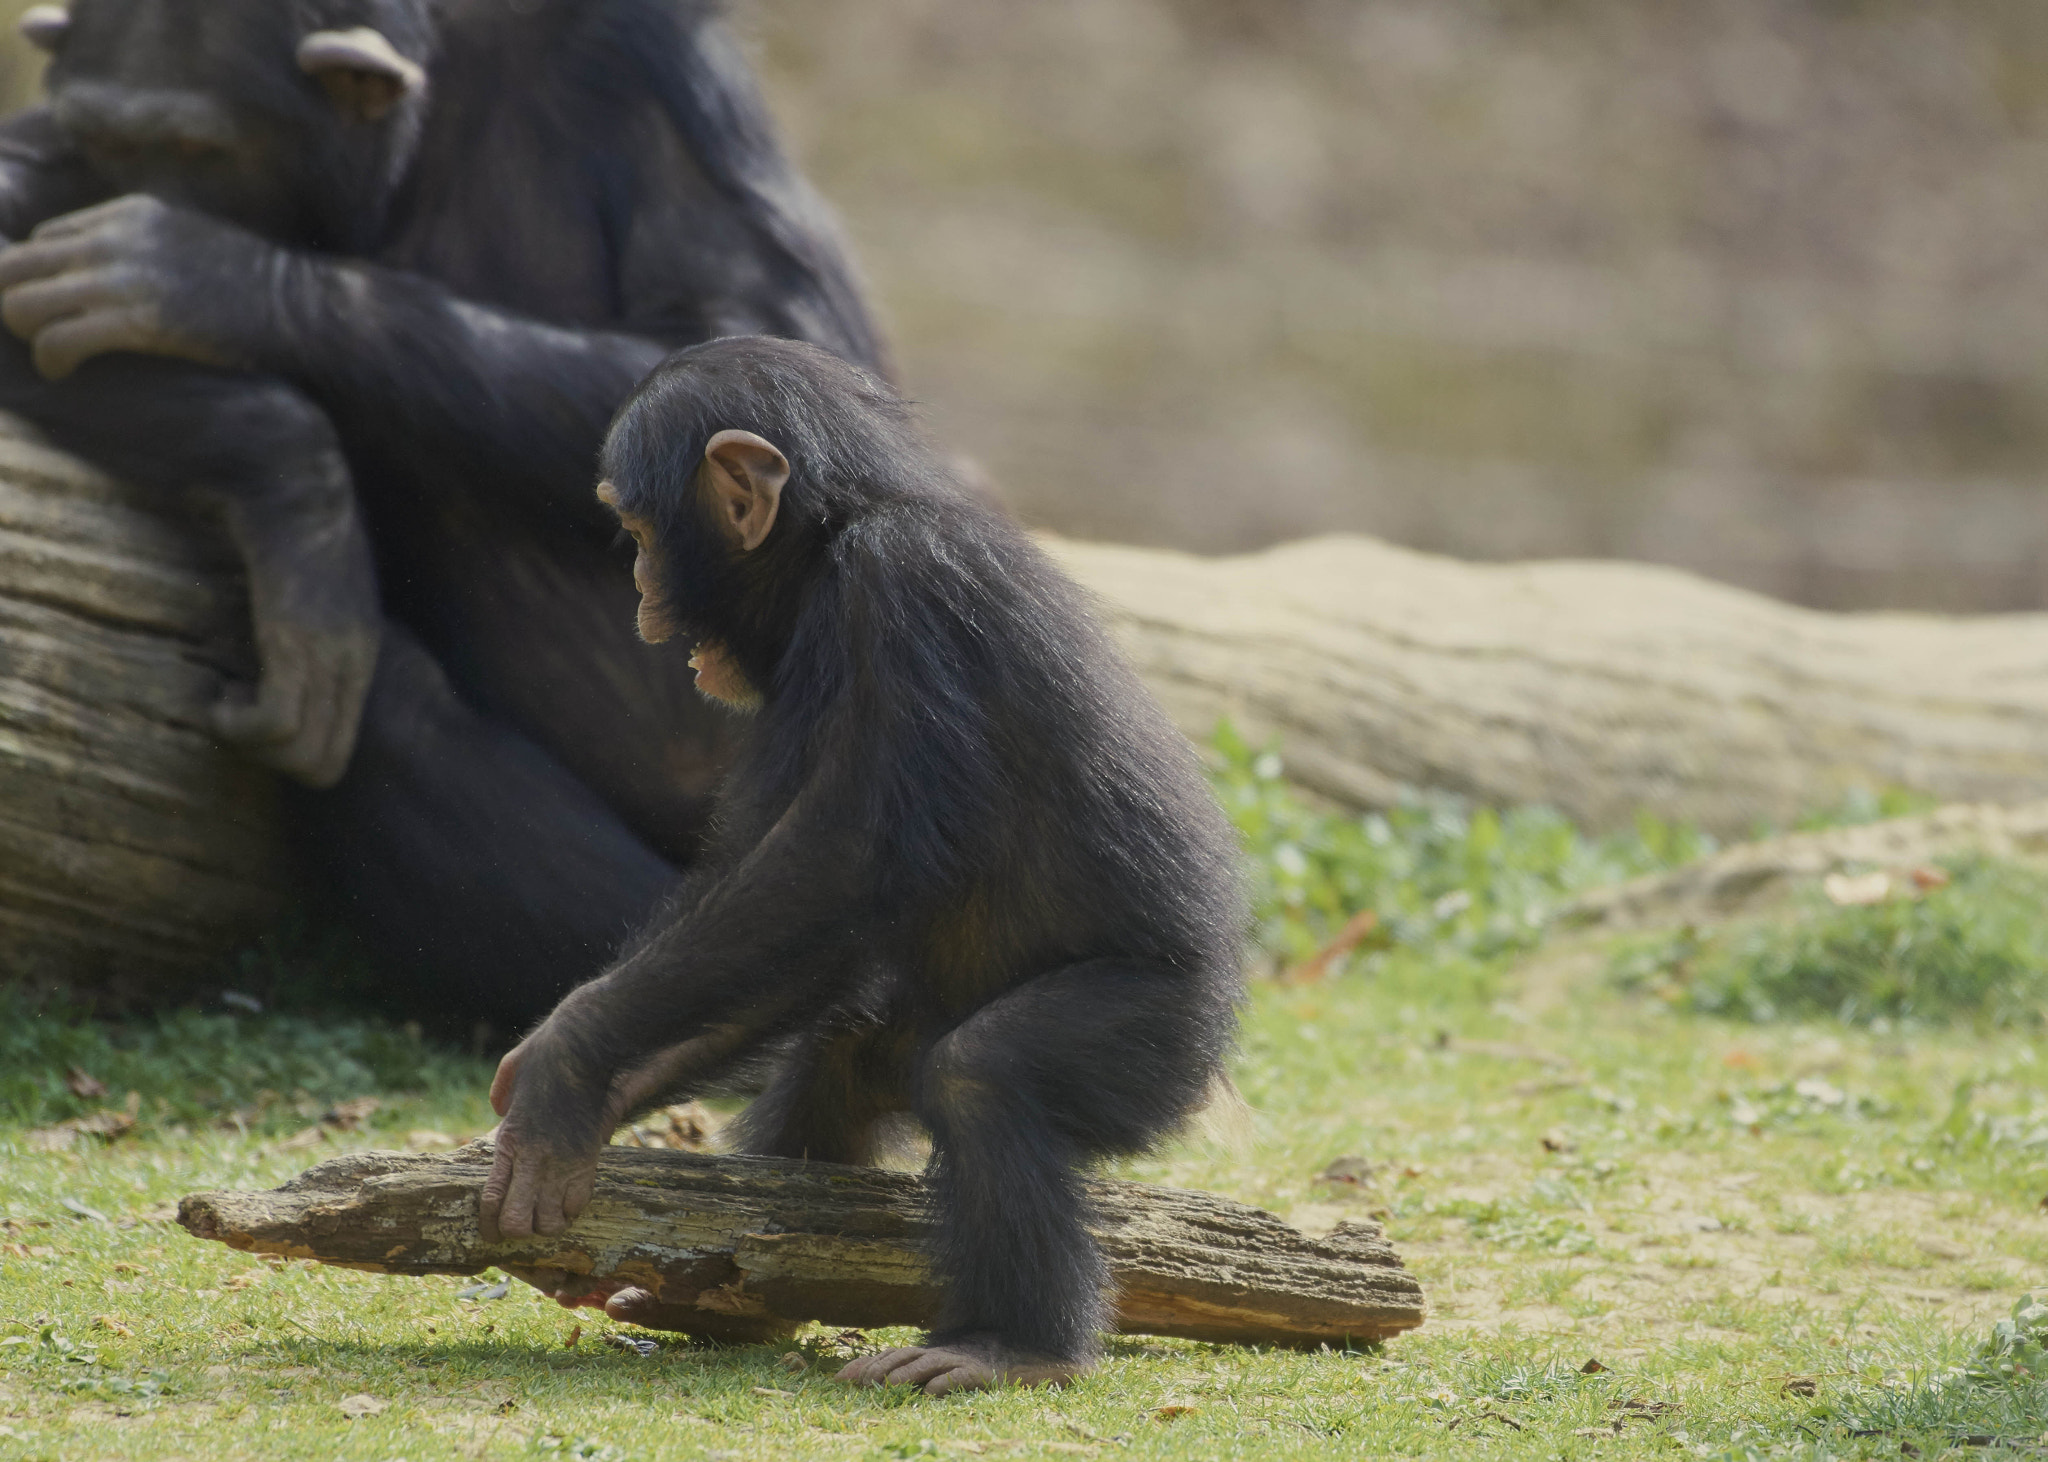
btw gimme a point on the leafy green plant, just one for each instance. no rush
(2017, 1351)
(1976, 947)
(1440, 875)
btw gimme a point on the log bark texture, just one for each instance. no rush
(1597, 688)
(133, 848)
(756, 1243)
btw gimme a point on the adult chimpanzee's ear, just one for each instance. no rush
(743, 474)
(43, 26)
(360, 70)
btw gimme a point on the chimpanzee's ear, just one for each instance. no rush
(742, 477)
(361, 71)
(43, 26)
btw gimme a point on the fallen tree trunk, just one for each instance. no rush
(756, 1243)
(1752, 877)
(133, 847)
(1600, 689)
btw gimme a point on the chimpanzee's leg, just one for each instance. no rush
(823, 1103)
(466, 854)
(1095, 1059)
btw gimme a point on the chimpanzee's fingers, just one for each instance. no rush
(960, 1377)
(49, 258)
(549, 1216)
(923, 1366)
(30, 306)
(309, 756)
(271, 719)
(122, 212)
(577, 1191)
(355, 667)
(873, 1370)
(491, 1202)
(65, 346)
(516, 1212)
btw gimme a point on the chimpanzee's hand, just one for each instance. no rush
(629, 1091)
(313, 602)
(554, 1124)
(139, 275)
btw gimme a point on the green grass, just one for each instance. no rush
(1974, 949)
(1794, 1238)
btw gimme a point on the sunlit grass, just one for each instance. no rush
(1778, 1239)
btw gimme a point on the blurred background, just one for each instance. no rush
(1756, 287)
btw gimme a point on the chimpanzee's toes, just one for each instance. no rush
(873, 1370)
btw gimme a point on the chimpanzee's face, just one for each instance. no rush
(294, 120)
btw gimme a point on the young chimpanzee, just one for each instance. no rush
(964, 868)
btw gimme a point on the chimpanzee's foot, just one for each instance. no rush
(631, 1305)
(570, 1291)
(965, 1363)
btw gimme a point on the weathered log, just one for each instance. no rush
(1597, 688)
(133, 848)
(754, 1243)
(1753, 877)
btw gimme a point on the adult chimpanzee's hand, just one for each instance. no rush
(313, 602)
(139, 275)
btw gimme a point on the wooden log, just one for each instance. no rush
(1597, 688)
(1752, 878)
(133, 847)
(755, 1244)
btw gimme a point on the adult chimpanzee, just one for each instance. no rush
(408, 256)
(964, 866)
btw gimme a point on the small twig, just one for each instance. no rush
(1502, 1050)
(1317, 966)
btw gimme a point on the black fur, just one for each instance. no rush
(963, 859)
(440, 313)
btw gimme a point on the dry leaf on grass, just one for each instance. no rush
(83, 1084)
(350, 1115)
(106, 1124)
(1350, 1172)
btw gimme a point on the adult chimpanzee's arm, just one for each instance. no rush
(41, 175)
(395, 354)
(766, 943)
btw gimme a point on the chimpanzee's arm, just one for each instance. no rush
(766, 942)
(41, 175)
